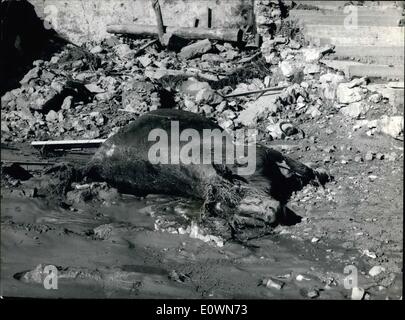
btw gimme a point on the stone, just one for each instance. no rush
(311, 54)
(288, 68)
(357, 82)
(229, 55)
(312, 68)
(144, 61)
(94, 88)
(208, 95)
(192, 86)
(355, 109)
(52, 116)
(369, 156)
(263, 106)
(196, 49)
(358, 293)
(313, 111)
(379, 156)
(375, 98)
(312, 294)
(392, 126)
(273, 283)
(376, 270)
(348, 95)
(32, 74)
(123, 50)
(96, 50)
(396, 85)
(294, 45)
(358, 159)
(67, 103)
(4, 127)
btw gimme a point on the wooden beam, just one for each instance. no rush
(60, 144)
(223, 34)
(159, 20)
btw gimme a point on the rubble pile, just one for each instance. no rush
(91, 91)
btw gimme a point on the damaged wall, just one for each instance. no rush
(81, 20)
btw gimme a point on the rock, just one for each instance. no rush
(4, 127)
(358, 159)
(294, 45)
(312, 68)
(94, 88)
(196, 49)
(376, 270)
(273, 283)
(375, 98)
(206, 110)
(103, 232)
(369, 156)
(145, 61)
(229, 55)
(52, 116)
(313, 294)
(312, 54)
(192, 86)
(209, 96)
(91, 134)
(379, 156)
(254, 110)
(392, 126)
(357, 293)
(355, 109)
(396, 85)
(348, 95)
(67, 103)
(123, 50)
(96, 50)
(288, 68)
(313, 111)
(357, 82)
(32, 74)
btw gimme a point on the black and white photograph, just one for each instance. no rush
(215, 151)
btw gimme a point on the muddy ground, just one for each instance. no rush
(357, 219)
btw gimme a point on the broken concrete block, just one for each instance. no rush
(348, 95)
(32, 74)
(52, 116)
(355, 109)
(145, 61)
(376, 270)
(192, 86)
(265, 105)
(357, 82)
(196, 49)
(393, 126)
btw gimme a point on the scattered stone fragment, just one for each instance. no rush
(273, 283)
(355, 109)
(312, 294)
(369, 156)
(195, 49)
(358, 159)
(348, 95)
(357, 82)
(376, 270)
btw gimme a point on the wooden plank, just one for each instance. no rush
(88, 143)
